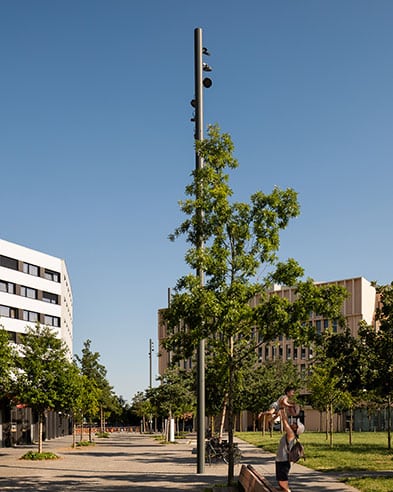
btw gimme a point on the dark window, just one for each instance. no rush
(12, 336)
(7, 262)
(51, 298)
(51, 275)
(28, 292)
(30, 269)
(7, 287)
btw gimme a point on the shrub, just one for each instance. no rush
(34, 455)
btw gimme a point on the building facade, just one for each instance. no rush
(34, 287)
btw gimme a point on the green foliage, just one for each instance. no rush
(326, 392)
(85, 443)
(97, 393)
(42, 360)
(377, 346)
(233, 244)
(7, 362)
(174, 397)
(268, 382)
(34, 456)
(240, 240)
(102, 435)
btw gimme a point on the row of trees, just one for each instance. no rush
(39, 374)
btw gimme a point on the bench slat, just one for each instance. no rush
(252, 481)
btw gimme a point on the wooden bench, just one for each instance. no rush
(250, 480)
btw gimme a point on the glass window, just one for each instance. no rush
(51, 320)
(8, 312)
(318, 326)
(30, 269)
(7, 262)
(51, 275)
(7, 287)
(28, 292)
(30, 316)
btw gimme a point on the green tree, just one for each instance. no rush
(327, 393)
(142, 407)
(98, 384)
(41, 362)
(267, 382)
(174, 397)
(233, 244)
(342, 357)
(378, 351)
(7, 363)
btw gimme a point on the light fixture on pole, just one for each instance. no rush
(197, 104)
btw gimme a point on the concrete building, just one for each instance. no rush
(34, 287)
(359, 306)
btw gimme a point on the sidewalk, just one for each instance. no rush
(128, 461)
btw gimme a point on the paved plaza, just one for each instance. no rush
(131, 461)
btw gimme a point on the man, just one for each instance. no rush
(283, 465)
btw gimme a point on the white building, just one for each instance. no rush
(34, 287)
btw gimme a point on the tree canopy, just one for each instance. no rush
(236, 246)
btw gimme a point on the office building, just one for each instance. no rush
(34, 287)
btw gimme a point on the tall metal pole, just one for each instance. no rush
(150, 362)
(201, 432)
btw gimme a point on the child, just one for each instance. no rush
(283, 403)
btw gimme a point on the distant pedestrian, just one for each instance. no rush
(283, 465)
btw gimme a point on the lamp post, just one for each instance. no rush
(151, 350)
(197, 103)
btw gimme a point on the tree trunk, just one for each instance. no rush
(73, 434)
(231, 464)
(223, 415)
(389, 416)
(350, 425)
(327, 422)
(331, 425)
(40, 431)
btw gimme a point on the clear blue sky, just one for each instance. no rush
(96, 143)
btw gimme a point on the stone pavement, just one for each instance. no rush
(131, 461)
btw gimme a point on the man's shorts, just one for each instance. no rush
(282, 470)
